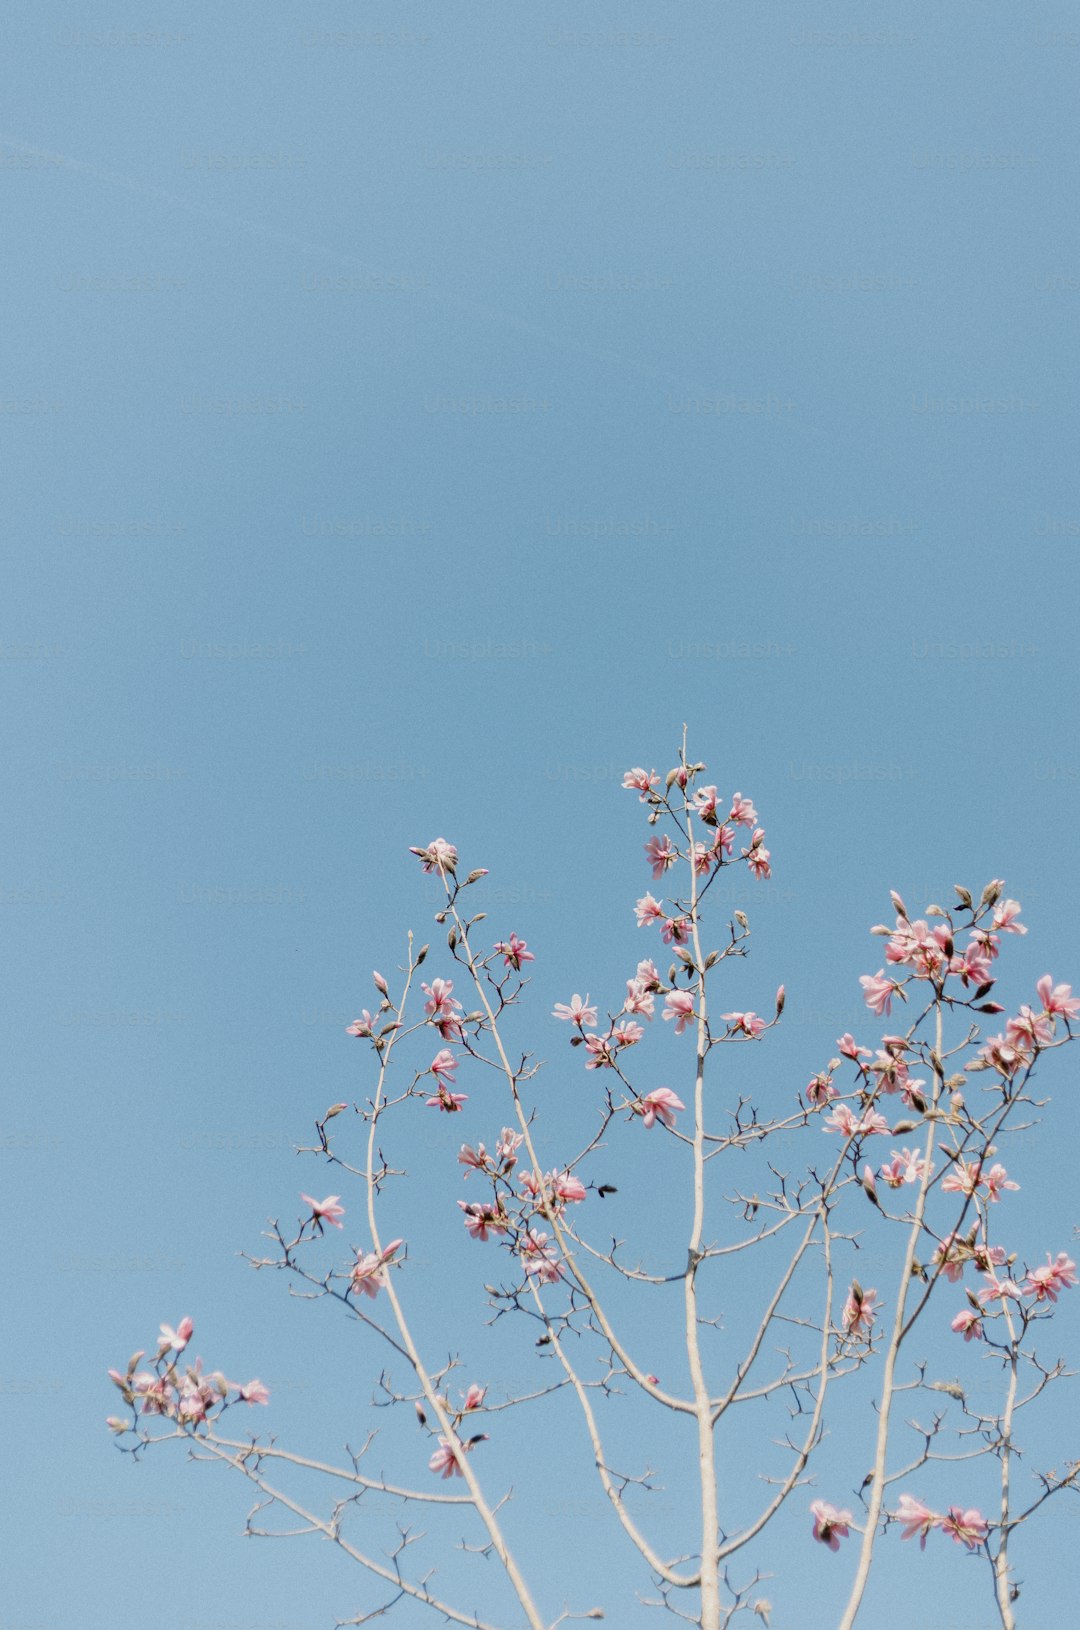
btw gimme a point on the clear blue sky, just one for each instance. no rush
(403, 439)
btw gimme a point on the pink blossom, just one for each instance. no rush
(830, 1525)
(442, 1009)
(1005, 916)
(361, 1027)
(676, 931)
(996, 1182)
(601, 1055)
(965, 1527)
(962, 1178)
(474, 1398)
(641, 781)
(757, 857)
(851, 1049)
(647, 976)
(968, 1324)
(254, 1392)
(638, 1000)
(369, 1272)
(1029, 1030)
(859, 1309)
(749, 1023)
(443, 1065)
(444, 1460)
(679, 1005)
(878, 991)
(1004, 1056)
(742, 811)
(480, 1220)
(177, 1339)
(540, 1258)
(448, 1102)
(514, 951)
(660, 855)
(575, 1011)
(704, 805)
(328, 1210)
(950, 1256)
(1057, 998)
(659, 1105)
(916, 1517)
(973, 966)
(438, 855)
(820, 1089)
(1045, 1283)
(473, 1159)
(627, 1034)
(157, 1394)
(723, 840)
(568, 1187)
(648, 911)
(508, 1145)
(997, 1290)
(906, 1166)
(842, 1120)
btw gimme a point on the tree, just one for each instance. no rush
(810, 1182)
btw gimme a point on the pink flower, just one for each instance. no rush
(601, 1054)
(878, 991)
(963, 1178)
(916, 1517)
(679, 1005)
(647, 976)
(627, 1034)
(444, 1460)
(575, 1011)
(474, 1398)
(842, 1120)
(704, 805)
(448, 1102)
(540, 1258)
(475, 1160)
(851, 1049)
(254, 1392)
(677, 931)
(973, 966)
(328, 1210)
(514, 951)
(723, 841)
(951, 1255)
(996, 1181)
(443, 1065)
(442, 1009)
(859, 1309)
(361, 1027)
(641, 781)
(508, 1145)
(820, 1089)
(965, 1527)
(996, 1290)
(906, 1166)
(1045, 1283)
(480, 1220)
(648, 911)
(369, 1272)
(1004, 1056)
(1029, 1030)
(1005, 916)
(660, 855)
(438, 855)
(742, 811)
(968, 1324)
(830, 1525)
(1057, 998)
(659, 1105)
(175, 1340)
(748, 1023)
(569, 1188)
(757, 857)
(638, 1000)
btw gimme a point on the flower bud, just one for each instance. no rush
(380, 983)
(780, 998)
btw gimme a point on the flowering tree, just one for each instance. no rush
(897, 1141)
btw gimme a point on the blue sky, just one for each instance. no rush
(404, 439)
